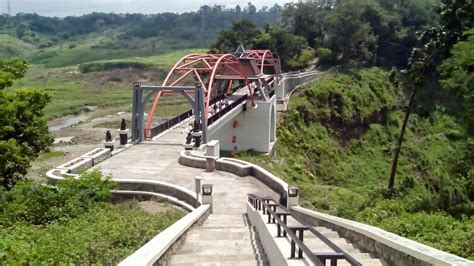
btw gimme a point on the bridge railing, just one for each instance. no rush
(154, 131)
(226, 110)
(280, 219)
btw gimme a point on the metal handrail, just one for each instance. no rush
(337, 249)
(289, 233)
(226, 109)
(259, 203)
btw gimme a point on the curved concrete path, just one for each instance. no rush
(225, 238)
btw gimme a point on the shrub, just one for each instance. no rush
(38, 204)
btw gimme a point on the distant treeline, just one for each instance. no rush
(199, 27)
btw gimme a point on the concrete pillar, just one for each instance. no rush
(207, 195)
(213, 149)
(210, 164)
(293, 197)
(123, 137)
(109, 145)
(197, 185)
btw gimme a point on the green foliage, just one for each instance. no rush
(104, 235)
(368, 32)
(24, 133)
(59, 42)
(351, 39)
(242, 32)
(72, 223)
(11, 70)
(291, 49)
(38, 204)
(336, 141)
(457, 72)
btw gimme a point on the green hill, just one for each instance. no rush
(336, 141)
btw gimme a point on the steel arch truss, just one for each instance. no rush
(216, 73)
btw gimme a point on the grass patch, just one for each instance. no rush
(12, 47)
(50, 155)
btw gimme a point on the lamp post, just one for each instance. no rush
(293, 198)
(206, 190)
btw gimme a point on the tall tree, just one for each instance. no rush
(23, 130)
(456, 17)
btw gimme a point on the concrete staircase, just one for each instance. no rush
(226, 236)
(223, 239)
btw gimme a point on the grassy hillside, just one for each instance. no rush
(109, 87)
(336, 143)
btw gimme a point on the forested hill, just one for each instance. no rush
(40, 37)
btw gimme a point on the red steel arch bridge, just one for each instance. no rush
(204, 80)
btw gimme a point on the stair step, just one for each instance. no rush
(214, 222)
(238, 263)
(218, 236)
(223, 244)
(216, 250)
(196, 258)
(212, 230)
(226, 217)
(365, 262)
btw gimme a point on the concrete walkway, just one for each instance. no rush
(225, 238)
(154, 160)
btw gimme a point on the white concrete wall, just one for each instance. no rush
(254, 128)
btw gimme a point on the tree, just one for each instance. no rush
(458, 76)
(23, 131)
(251, 8)
(351, 39)
(242, 32)
(283, 44)
(456, 16)
(305, 20)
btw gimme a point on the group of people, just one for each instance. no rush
(219, 105)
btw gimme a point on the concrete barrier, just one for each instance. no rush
(98, 155)
(76, 165)
(163, 188)
(394, 249)
(123, 195)
(237, 167)
(159, 250)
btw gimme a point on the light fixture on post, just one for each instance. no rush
(206, 190)
(293, 199)
(292, 191)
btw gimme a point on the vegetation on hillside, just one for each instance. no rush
(73, 224)
(336, 142)
(361, 33)
(59, 42)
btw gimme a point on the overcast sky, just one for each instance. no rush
(63, 8)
